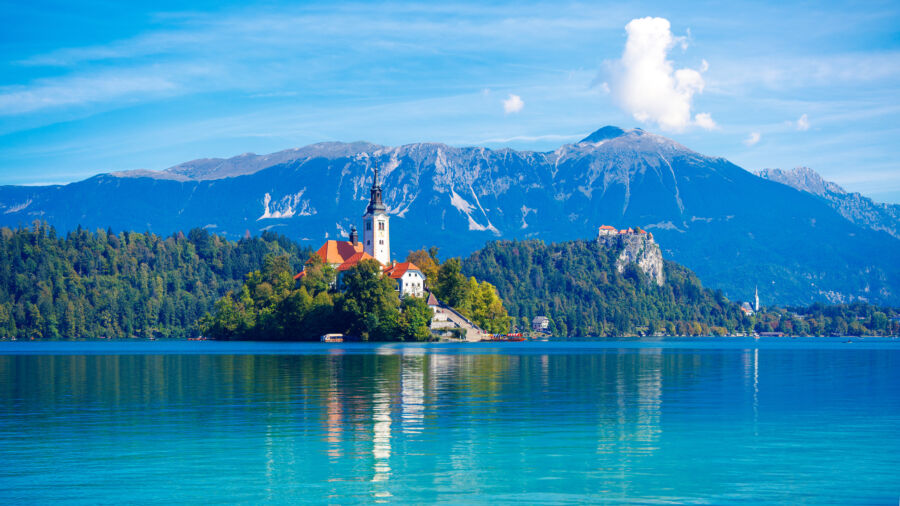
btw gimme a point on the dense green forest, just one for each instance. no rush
(120, 285)
(577, 286)
(107, 285)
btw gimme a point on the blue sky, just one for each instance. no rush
(89, 87)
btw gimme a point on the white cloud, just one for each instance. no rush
(803, 123)
(752, 139)
(80, 90)
(513, 104)
(648, 87)
(704, 120)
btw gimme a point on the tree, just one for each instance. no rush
(426, 261)
(318, 276)
(415, 319)
(452, 286)
(369, 301)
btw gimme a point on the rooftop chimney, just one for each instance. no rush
(354, 237)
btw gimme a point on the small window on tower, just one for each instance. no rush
(368, 225)
(381, 226)
(380, 242)
(368, 242)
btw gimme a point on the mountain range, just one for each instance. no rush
(853, 206)
(735, 229)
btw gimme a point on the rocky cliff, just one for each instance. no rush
(640, 249)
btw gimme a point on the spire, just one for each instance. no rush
(375, 203)
(756, 299)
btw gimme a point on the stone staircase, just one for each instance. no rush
(446, 318)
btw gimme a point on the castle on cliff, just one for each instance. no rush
(638, 247)
(608, 231)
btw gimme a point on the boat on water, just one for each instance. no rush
(332, 338)
(505, 338)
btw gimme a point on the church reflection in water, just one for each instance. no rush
(362, 418)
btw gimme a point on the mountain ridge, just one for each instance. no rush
(734, 229)
(851, 205)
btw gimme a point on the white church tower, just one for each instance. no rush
(376, 226)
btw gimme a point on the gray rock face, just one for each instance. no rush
(853, 206)
(639, 249)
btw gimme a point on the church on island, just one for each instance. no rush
(375, 244)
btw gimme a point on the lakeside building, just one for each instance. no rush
(540, 324)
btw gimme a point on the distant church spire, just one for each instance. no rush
(756, 299)
(375, 203)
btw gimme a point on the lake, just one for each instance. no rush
(668, 421)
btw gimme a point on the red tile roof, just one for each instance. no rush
(607, 227)
(396, 271)
(338, 252)
(354, 259)
(335, 253)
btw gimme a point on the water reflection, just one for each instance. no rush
(367, 427)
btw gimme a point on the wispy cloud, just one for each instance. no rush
(79, 90)
(312, 49)
(752, 139)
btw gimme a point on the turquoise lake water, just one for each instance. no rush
(700, 421)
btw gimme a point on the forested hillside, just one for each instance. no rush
(114, 285)
(577, 285)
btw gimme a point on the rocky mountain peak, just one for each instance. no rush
(803, 179)
(603, 134)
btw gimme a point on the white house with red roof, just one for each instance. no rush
(410, 279)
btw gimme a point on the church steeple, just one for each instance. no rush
(375, 203)
(376, 224)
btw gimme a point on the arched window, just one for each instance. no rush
(381, 226)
